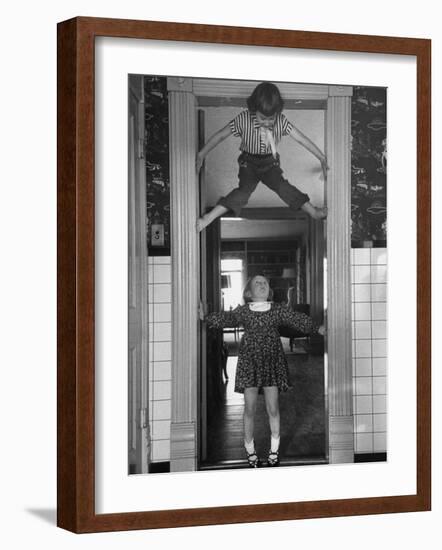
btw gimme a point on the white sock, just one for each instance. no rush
(250, 447)
(274, 444)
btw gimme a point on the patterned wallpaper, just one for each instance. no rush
(368, 167)
(157, 165)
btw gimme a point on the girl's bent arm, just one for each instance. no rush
(217, 138)
(308, 144)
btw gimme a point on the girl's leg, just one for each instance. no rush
(236, 199)
(271, 395)
(208, 218)
(250, 399)
(290, 194)
(314, 212)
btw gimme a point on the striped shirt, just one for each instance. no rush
(253, 141)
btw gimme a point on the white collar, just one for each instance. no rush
(260, 306)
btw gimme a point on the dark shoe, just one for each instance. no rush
(253, 460)
(273, 458)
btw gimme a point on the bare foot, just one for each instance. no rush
(319, 213)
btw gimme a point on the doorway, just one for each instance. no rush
(186, 96)
(279, 245)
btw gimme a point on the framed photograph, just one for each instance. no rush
(243, 275)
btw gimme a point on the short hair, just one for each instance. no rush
(247, 290)
(266, 99)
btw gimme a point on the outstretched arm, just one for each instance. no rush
(223, 319)
(308, 144)
(297, 321)
(217, 138)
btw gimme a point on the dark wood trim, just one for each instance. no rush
(66, 264)
(424, 274)
(76, 257)
(255, 513)
(76, 253)
(249, 36)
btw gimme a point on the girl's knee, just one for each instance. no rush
(273, 411)
(272, 407)
(249, 410)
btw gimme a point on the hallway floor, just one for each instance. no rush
(302, 411)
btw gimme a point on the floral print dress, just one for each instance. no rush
(261, 358)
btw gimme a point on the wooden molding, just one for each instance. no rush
(339, 330)
(340, 91)
(183, 446)
(183, 195)
(208, 87)
(179, 84)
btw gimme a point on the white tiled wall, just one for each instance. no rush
(369, 320)
(160, 353)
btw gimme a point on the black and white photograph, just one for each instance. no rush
(218, 326)
(257, 274)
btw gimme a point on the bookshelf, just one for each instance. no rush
(272, 258)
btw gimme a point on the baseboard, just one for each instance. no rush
(159, 467)
(371, 457)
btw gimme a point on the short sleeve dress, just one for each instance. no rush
(261, 358)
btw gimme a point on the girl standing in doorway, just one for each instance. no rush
(262, 365)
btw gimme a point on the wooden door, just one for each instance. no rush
(211, 341)
(138, 338)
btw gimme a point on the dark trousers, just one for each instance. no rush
(265, 168)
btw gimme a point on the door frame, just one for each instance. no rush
(139, 441)
(185, 95)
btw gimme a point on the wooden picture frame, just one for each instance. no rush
(76, 275)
